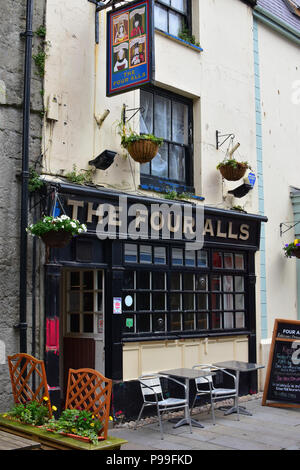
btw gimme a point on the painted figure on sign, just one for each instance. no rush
(121, 34)
(138, 57)
(137, 26)
(122, 62)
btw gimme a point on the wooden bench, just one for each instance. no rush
(9, 441)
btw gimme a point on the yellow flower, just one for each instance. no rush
(54, 408)
(45, 398)
(296, 241)
(4, 416)
(92, 424)
(110, 418)
(93, 416)
(73, 430)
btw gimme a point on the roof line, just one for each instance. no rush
(274, 22)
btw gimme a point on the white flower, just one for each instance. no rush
(73, 224)
(64, 217)
(80, 230)
(84, 227)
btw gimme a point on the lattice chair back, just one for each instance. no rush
(22, 369)
(89, 390)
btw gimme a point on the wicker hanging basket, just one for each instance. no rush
(296, 252)
(232, 173)
(56, 239)
(143, 151)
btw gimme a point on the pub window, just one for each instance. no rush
(84, 300)
(189, 294)
(168, 116)
(171, 16)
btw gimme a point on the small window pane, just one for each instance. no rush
(189, 301)
(158, 281)
(240, 320)
(239, 283)
(188, 283)
(146, 121)
(228, 260)
(142, 323)
(202, 258)
(159, 164)
(74, 301)
(159, 301)
(160, 255)
(88, 323)
(143, 301)
(216, 321)
(162, 117)
(180, 123)
(128, 280)
(228, 320)
(189, 321)
(145, 254)
(217, 260)
(175, 23)
(88, 301)
(100, 301)
(143, 280)
(201, 282)
(177, 163)
(145, 168)
(179, 5)
(175, 281)
(177, 257)
(239, 262)
(202, 301)
(228, 301)
(100, 280)
(228, 283)
(74, 324)
(159, 322)
(216, 283)
(175, 302)
(190, 258)
(131, 253)
(75, 280)
(88, 280)
(161, 18)
(216, 303)
(202, 321)
(175, 322)
(239, 301)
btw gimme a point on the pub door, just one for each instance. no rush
(83, 319)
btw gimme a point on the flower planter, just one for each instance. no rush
(56, 239)
(143, 151)
(75, 436)
(233, 173)
(296, 252)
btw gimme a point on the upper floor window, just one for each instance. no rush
(171, 16)
(168, 116)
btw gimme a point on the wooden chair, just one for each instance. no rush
(91, 391)
(22, 368)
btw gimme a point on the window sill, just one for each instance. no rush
(180, 41)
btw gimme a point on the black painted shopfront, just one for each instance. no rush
(103, 293)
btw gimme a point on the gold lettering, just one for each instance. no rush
(174, 228)
(153, 223)
(219, 233)
(208, 228)
(188, 225)
(244, 230)
(91, 212)
(75, 205)
(230, 234)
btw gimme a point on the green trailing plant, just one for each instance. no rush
(33, 412)
(233, 163)
(41, 32)
(79, 177)
(79, 422)
(34, 182)
(172, 194)
(186, 35)
(39, 60)
(238, 208)
(126, 140)
(49, 223)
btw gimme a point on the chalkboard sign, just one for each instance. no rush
(282, 386)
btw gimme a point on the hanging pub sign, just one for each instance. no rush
(130, 45)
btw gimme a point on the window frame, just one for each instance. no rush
(153, 181)
(198, 313)
(187, 16)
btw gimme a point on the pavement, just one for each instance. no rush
(268, 429)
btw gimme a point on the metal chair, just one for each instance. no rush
(153, 396)
(205, 386)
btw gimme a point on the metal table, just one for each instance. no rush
(187, 375)
(238, 367)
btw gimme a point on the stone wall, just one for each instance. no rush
(12, 23)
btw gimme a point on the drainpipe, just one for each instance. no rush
(25, 175)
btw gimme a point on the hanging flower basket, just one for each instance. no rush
(292, 249)
(232, 170)
(56, 232)
(141, 147)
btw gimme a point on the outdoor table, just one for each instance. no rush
(9, 441)
(187, 375)
(238, 366)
